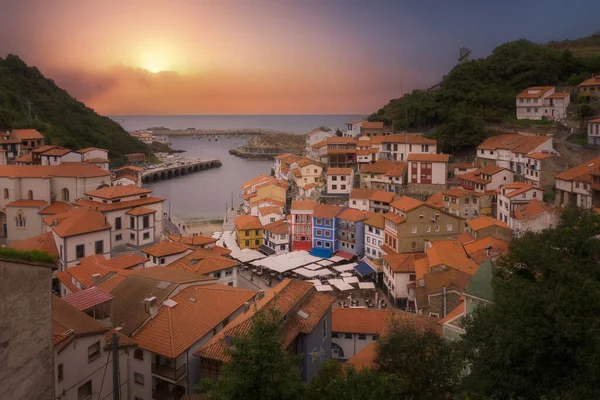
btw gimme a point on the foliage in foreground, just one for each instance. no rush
(541, 337)
(33, 255)
(259, 367)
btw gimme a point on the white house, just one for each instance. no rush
(317, 135)
(431, 169)
(365, 154)
(269, 214)
(165, 252)
(509, 150)
(374, 236)
(398, 147)
(383, 175)
(59, 155)
(574, 186)
(276, 238)
(353, 128)
(513, 195)
(593, 132)
(164, 365)
(486, 179)
(340, 180)
(135, 215)
(359, 199)
(209, 263)
(534, 217)
(399, 271)
(539, 102)
(81, 354)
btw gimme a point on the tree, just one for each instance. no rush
(585, 110)
(339, 133)
(419, 357)
(541, 337)
(338, 382)
(259, 368)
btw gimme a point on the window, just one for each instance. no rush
(437, 228)
(80, 251)
(93, 352)
(327, 222)
(333, 187)
(146, 235)
(246, 243)
(449, 227)
(6, 193)
(246, 233)
(327, 233)
(257, 242)
(30, 195)
(118, 223)
(362, 337)
(319, 221)
(353, 202)
(272, 219)
(99, 245)
(434, 315)
(335, 335)
(421, 215)
(162, 260)
(534, 194)
(414, 229)
(334, 178)
(319, 243)
(146, 221)
(325, 327)
(319, 232)
(428, 228)
(138, 378)
(413, 245)
(327, 244)
(84, 391)
(139, 354)
(64, 194)
(256, 232)
(132, 236)
(59, 373)
(131, 222)
(343, 187)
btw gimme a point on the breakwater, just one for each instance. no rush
(210, 132)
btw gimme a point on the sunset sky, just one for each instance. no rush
(267, 56)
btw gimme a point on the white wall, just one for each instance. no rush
(33, 223)
(69, 244)
(373, 242)
(343, 184)
(351, 345)
(359, 204)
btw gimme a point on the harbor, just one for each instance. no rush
(175, 166)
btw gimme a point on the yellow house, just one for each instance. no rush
(248, 232)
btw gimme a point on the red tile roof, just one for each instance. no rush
(88, 149)
(280, 227)
(304, 205)
(443, 158)
(374, 322)
(450, 253)
(203, 262)
(117, 206)
(400, 138)
(339, 171)
(387, 167)
(539, 91)
(487, 247)
(436, 200)
(245, 222)
(520, 188)
(483, 222)
(395, 218)
(326, 211)
(124, 261)
(593, 81)
(559, 95)
(26, 203)
(360, 194)
(513, 142)
(372, 125)
(58, 207)
(264, 211)
(382, 196)
(137, 211)
(539, 156)
(406, 203)
(403, 262)
(69, 323)
(531, 209)
(71, 170)
(352, 214)
(44, 242)
(165, 248)
(581, 172)
(77, 222)
(377, 220)
(115, 192)
(365, 358)
(197, 240)
(27, 134)
(88, 298)
(457, 312)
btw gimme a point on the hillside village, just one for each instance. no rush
(360, 229)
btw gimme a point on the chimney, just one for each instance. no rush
(96, 277)
(150, 306)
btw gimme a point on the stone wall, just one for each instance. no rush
(26, 347)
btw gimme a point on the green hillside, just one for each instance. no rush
(481, 92)
(62, 119)
(584, 47)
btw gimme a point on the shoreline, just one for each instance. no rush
(209, 132)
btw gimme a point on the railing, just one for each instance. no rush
(169, 372)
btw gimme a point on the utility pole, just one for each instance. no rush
(231, 201)
(115, 355)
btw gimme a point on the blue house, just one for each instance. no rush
(324, 241)
(350, 231)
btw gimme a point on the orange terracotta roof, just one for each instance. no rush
(70, 170)
(365, 358)
(352, 214)
(77, 222)
(539, 156)
(559, 95)
(309, 186)
(465, 238)
(406, 203)
(66, 279)
(479, 249)
(360, 194)
(96, 160)
(450, 253)
(539, 92)
(520, 188)
(254, 181)
(165, 248)
(340, 140)
(319, 130)
(27, 158)
(127, 176)
(531, 209)
(115, 192)
(303, 162)
(26, 203)
(245, 222)
(436, 200)
(203, 261)
(356, 121)
(483, 222)
(326, 211)
(42, 149)
(44, 242)
(594, 121)
(57, 207)
(421, 267)
(124, 261)
(443, 158)
(175, 329)
(267, 200)
(452, 315)
(384, 167)
(88, 149)
(449, 278)
(197, 240)
(374, 322)
(403, 262)
(86, 269)
(514, 142)
(27, 134)
(9, 138)
(581, 172)
(297, 173)
(377, 220)
(319, 145)
(110, 283)
(132, 167)
(594, 81)
(395, 218)
(117, 206)
(339, 171)
(57, 152)
(373, 125)
(382, 196)
(264, 211)
(457, 192)
(280, 227)
(304, 205)
(401, 138)
(137, 211)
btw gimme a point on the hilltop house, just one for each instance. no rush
(513, 195)
(534, 216)
(577, 186)
(539, 102)
(509, 150)
(593, 132)
(486, 179)
(590, 88)
(276, 238)
(398, 147)
(540, 169)
(30, 139)
(466, 203)
(484, 226)
(317, 135)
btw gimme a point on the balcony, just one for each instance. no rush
(346, 238)
(169, 371)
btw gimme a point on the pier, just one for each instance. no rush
(179, 168)
(212, 132)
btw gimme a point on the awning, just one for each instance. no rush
(266, 250)
(364, 269)
(345, 255)
(366, 285)
(321, 253)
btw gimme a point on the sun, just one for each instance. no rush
(154, 63)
